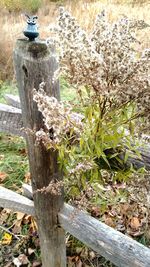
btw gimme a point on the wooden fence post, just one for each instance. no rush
(34, 63)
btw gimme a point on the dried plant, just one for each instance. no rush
(60, 120)
(54, 188)
(112, 80)
(106, 61)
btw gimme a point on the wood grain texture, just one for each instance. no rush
(144, 161)
(34, 63)
(27, 191)
(13, 100)
(15, 202)
(113, 245)
(11, 120)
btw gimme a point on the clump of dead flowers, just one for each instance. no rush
(59, 119)
(107, 61)
(54, 188)
(111, 76)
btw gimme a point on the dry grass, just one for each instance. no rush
(85, 12)
(11, 28)
(11, 25)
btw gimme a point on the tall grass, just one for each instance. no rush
(13, 161)
(20, 5)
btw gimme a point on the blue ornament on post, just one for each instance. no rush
(31, 31)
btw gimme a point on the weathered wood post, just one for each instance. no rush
(34, 63)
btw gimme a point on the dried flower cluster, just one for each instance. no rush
(59, 119)
(82, 167)
(82, 200)
(54, 188)
(106, 60)
(112, 79)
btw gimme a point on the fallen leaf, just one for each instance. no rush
(120, 226)
(78, 250)
(18, 222)
(33, 225)
(6, 239)
(112, 213)
(23, 259)
(36, 264)
(79, 263)
(76, 258)
(4, 216)
(27, 219)
(120, 186)
(92, 255)
(134, 233)
(2, 156)
(124, 208)
(31, 251)
(3, 176)
(135, 223)
(95, 211)
(8, 211)
(17, 262)
(9, 264)
(23, 151)
(84, 253)
(16, 229)
(109, 221)
(70, 261)
(27, 178)
(37, 243)
(19, 215)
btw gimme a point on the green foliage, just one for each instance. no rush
(7, 88)
(31, 6)
(143, 240)
(67, 92)
(109, 77)
(13, 161)
(102, 142)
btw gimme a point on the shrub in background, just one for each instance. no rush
(10, 31)
(6, 62)
(31, 6)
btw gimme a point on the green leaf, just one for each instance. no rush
(126, 156)
(81, 142)
(114, 155)
(98, 151)
(105, 159)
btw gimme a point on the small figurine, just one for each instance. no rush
(31, 31)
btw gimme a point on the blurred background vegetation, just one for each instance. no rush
(12, 20)
(20, 5)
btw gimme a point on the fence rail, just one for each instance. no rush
(113, 245)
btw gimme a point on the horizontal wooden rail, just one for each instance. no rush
(11, 120)
(121, 250)
(15, 202)
(13, 100)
